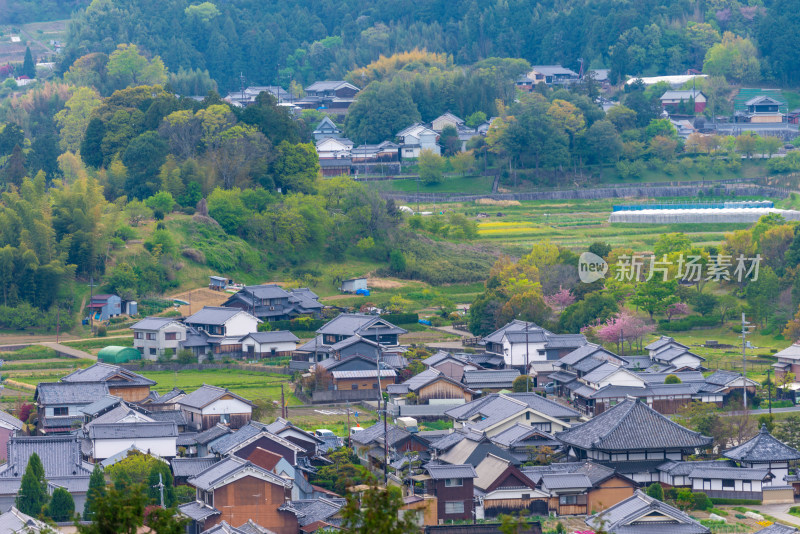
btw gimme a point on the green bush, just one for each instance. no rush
(701, 501)
(687, 323)
(101, 331)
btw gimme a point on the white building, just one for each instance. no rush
(156, 437)
(334, 148)
(269, 344)
(155, 337)
(416, 138)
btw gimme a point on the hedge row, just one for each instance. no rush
(401, 318)
(687, 323)
(734, 501)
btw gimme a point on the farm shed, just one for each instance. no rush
(116, 354)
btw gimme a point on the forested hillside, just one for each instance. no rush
(304, 40)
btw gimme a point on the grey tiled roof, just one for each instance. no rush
(173, 416)
(252, 528)
(595, 472)
(13, 522)
(210, 477)
(10, 420)
(60, 455)
(223, 527)
(440, 357)
(213, 315)
(601, 372)
(352, 340)
(229, 442)
(189, 467)
(442, 471)
(667, 355)
(348, 324)
(102, 404)
(580, 353)
(563, 376)
(273, 337)
(737, 473)
(722, 378)
(519, 432)
(133, 430)
(197, 510)
(113, 374)
(364, 373)
(497, 405)
(621, 518)
(514, 326)
(153, 323)
(375, 433)
(446, 442)
(588, 364)
(54, 393)
(631, 425)
(566, 481)
(777, 528)
(762, 448)
(215, 432)
(313, 510)
(676, 468)
(662, 342)
(490, 378)
(119, 413)
(685, 376)
(186, 439)
(205, 395)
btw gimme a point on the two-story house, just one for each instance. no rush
(453, 486)
(331, 337)
(217, 330)
(235, 490)
(121, 382)
(270, 302)
(501, 485)
(521, 343)
(207, 406)
(59, 404)
(672, 355)
(416, 138)
(154, 437)
(326, 129)
(103, 307)
(156, 337)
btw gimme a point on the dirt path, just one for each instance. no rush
(67, 351)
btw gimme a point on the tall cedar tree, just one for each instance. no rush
(15, 167)
(377, 512)
(28, 66)
(61, 507)
(33, 489)
(97, 489)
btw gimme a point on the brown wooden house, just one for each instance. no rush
(432, 384)
(127, 385)
(209, 405)
(453, 486)
(235, 490)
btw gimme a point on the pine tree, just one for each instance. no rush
(61, 507)
(33, 489)
(97, 488)
(28, 66)
(15, 167)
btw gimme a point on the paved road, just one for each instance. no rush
(766, 410)
(778, 511)
(67, 351)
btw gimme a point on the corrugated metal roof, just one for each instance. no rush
(153, 323)
(213, 315)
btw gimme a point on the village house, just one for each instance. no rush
(764, 451)
(486, 380)
(463, 446)
(453, 487)
(334, 148)
(9, 426)
(326, 129)
(385, 152)
(353, 285)
(497, 412)
(59, 404)
(121, 382)
(218, 330)
(104, 307)
(270, 302)
(525, 443)
(155, 437)
(62, 462)
(521, 343)
(369, 444)
(788, 362)
(645, 515)
(733, 482)
(553, 75)
(763, 109)
(15, 522)
(209, 405)
(576, 488)
(369, 327)
(235, 490)
(273, 344)
(430, 387)
(451, 365)
(500, 487)
(336, 167)
(672, 355)
(246, 97)
(320, 514)
(633, 438)
(416, 138)
(688, 102)
(158, 337)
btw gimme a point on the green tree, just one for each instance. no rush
(126, 67)
(226, 207)
(377, 511)
(15, 167)
(296, 167)
(92, 144)
(161, 469)
(380, 110)
(74, 119)
(735, 57)
(118, 511)
(762, 294)
(602, 141)
(143, 158)
(449, 140)
(97, 489)
(161, 201)
(463, 162)
(788, 430)
(705, 303)
(28, 66)
(61, 507)
(522, 384)
(341, 473)
(656, 491)
(431, 167)
(514, 523)
(475, 119)
(655, 295)
(672, 379)
(32, 496)
(702, 502)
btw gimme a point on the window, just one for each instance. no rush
(354, 386)
(527, 416)
(568, 499)
(454, 507)
(706, 484)
(747, 485)
(728, 485)
(171, 336)
(151, 336)
(526, 495)
(60, 410)
(208, 498)
(138, 335)
(152, 351)
(375, 385)
(544, 427)
(453, 482)
(225, 418)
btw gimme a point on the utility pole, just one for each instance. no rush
(744, 361)
(58, 319)
(91, 297)
(160, 487)
(385, 409)
(527, 349)
(283, 403)
(769, 392)
(347, 430)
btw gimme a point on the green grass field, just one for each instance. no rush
(251, 385)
